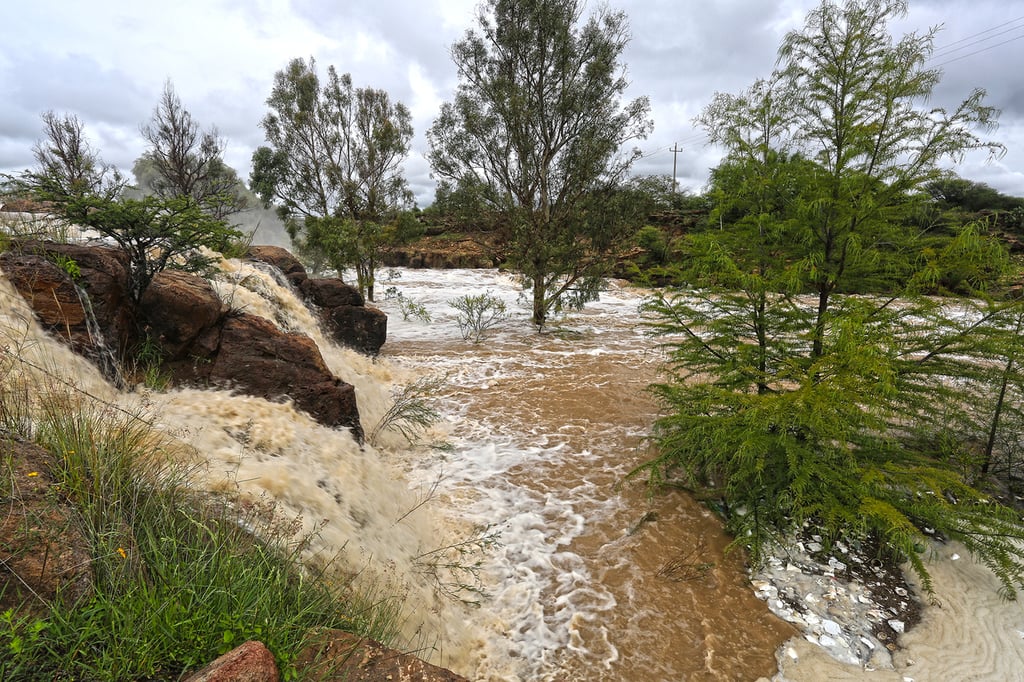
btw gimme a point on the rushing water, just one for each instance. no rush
(591, 580)
(587, 578)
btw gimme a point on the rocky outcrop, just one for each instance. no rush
(250, 662)
(203, 343)
(56, 294)
(44, 557)
(340, 307)
(199, 339)
(336, 655)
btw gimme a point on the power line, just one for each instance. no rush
(947, 47)
(971, 54)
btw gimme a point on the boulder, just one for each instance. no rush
(179, 309)
(340, 307)
(282, 259)
(336, 655)
(330, 292)
(259, 359)
(91, 311)
(249, 662)
(43, 554)
(362, 328)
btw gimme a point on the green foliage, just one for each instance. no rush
(408, 307)
(411, 413)
(155, 233)
(178, 578)
(333, 167)
(67, 167)
(183, 161)
(858, 414)
(477, 314)
(544, 88)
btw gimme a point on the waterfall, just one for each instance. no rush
(363, 512)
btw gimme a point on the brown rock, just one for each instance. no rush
(336, 655)
(280, 258)
(250, 662)
(362, 328)
(261, 360)
(62, 307)
(43, 555)
(331, 292)
(178, 309)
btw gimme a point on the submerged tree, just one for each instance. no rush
(791, 403)
(184, 161)
(333, 166)
(536, 126)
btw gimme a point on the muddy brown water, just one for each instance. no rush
(594, 579)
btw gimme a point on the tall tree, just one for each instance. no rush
(184, 161)
(67, 167)
(855, 414)
(333, 165)
(538, 119)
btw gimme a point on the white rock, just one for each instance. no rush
(954, 557)
(791, 652)
(826, 641)
(792, 569)
(813, 546)
(868, 643)
(831, 627)
(811, 599)
(896, 625)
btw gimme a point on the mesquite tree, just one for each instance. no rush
(537, 124)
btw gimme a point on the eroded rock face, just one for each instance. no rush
(180, 309)
(53, 294)
(205, 344)
(282, 259)
(258, 358)
(336, 655)
(199, 341)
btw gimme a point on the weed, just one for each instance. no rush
(478, 314)
(411, 414)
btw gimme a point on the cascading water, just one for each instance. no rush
(590, 580)
(361, 510)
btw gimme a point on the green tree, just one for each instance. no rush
(156, 233)
(854, 413)
(333, 166)
(184, 161)
(538, 121)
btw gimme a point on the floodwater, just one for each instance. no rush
(591, 579)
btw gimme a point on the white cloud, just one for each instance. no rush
(107, 61)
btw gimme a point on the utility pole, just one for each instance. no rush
(675, 151)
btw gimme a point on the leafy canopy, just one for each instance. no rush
(535, 129)
(789, 402)
(333, 166)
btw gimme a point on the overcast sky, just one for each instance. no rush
(107, 60)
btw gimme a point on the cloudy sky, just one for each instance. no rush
(107, 61)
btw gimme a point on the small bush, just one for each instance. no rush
(478, 314)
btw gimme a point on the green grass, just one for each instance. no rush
(178, 577)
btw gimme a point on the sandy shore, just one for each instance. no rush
(968, 632)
